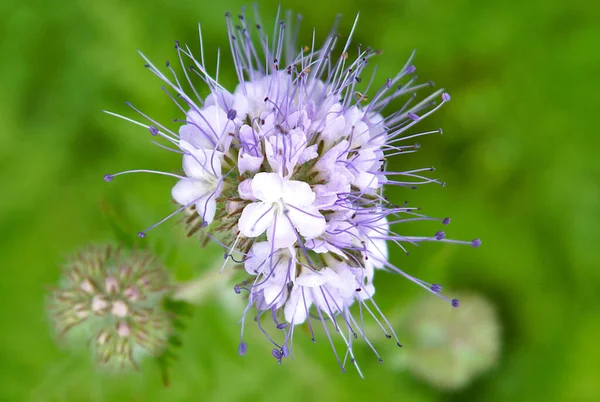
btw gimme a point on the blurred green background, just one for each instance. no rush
(519, 153)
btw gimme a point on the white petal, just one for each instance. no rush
(365, 181)
(187, 191)
(212, 121)
(366, 292)
(249, 163)
(318, 245)
(308, 154)
(258, 254)
(334, 130)
(274, 291)
(297, 305)
(250, 138)
(308, 220)
(313, 279)
(194, 136)
(359, 134)
(347, 282)
(206, 207)
(281, 233)
(255, 219)
(202, 163)
(378, 252)
(297, 193)
(267, 187)
(245, 190)
(221, 98)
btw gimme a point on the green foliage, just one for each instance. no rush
(180, 312)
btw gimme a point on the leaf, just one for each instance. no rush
(181, 312)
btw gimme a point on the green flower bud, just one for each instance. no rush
(450, 347)
(113, 299)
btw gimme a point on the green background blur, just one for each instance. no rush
(519, 154)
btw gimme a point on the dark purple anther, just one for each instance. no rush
(231, 114)
(410, 69)
(440, 235)
(455, 303)
(141, 235)
(242, 349)
(380, 360)
(436, 288)
(446, 221)
(108, 177)
(277, 354)
(413, 116)
(388, 83)
(153, 130)
(476, 243)
(446, 97)
(237, 289)
(281, 325)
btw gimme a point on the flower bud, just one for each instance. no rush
(114, 300)
(450, 347)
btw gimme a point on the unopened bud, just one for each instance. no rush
(116, 298)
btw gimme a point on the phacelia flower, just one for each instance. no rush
(113, 299)
(287, 172)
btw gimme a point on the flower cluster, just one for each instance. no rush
(287, 172)
(114, 300)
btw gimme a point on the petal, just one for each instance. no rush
(245, 190)
(378, 252)
(255, 219)
(187, 191)
(206, 207)
(364, 180)
(202, 163)
(295, 309)
(334, 130)
(249, 163)
(297, 193)
(249, 139)
(366, 292)
(281, 233)
(258, 254)
(308, 220)
(313, 279)
(267, 187)
(221, 98)
(212, 122)
(191, 134)
(347, 282)
(274, 291)
(359, 134)
(308, 154)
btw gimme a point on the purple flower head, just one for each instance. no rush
(287, 172)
